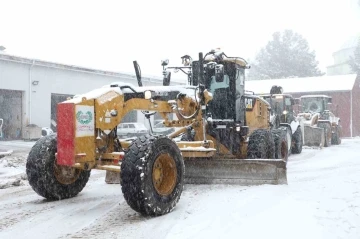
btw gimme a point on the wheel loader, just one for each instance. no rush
(216, 145)
(283, 117)
(322, 127)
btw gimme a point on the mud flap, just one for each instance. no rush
(235, 171)
(112, 177)
(314, 136)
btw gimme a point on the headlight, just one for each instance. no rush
(147, 95)
(285, 112)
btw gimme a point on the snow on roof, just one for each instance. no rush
(307, 84)
(313, 96)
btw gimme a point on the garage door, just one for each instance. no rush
(55, 99)
(11, 113)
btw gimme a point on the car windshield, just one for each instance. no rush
(159, 125)
(138, 125)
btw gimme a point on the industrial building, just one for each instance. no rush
(344, 90)
(30, 90)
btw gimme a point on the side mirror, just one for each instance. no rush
(167, 77)
(138, 73)
(165, 62)
(329, 100)
(219, 73)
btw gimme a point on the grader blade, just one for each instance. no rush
(235, 171)
(314, 136)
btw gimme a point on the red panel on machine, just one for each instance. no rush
(66, 134)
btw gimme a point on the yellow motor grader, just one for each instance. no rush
(225, 138)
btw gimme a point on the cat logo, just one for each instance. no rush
(249, 102)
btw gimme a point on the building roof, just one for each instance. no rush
(307, 84)
(29, 61)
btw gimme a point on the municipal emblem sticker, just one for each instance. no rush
(85, 125)
(84, 118)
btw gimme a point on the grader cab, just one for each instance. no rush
(217, 146)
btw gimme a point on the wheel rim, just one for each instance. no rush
(164, 174)
(66, 174)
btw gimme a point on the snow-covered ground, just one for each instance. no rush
(321, 200)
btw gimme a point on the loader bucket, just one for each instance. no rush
(314, 136)
(235, 171)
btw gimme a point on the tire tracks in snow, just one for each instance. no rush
(107, 226)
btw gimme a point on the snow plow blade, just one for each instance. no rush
(314, 136)
(235, 171)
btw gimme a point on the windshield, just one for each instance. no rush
(312, 105)
(277, 104)
(218, 85)
(240, 81)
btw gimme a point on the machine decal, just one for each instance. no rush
(107, 117)
(84, 121)
(250, 103)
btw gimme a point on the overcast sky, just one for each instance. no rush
(111, 34)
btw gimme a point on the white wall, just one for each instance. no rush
(37, 98)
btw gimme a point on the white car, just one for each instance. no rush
(160, 128)
(126, 130)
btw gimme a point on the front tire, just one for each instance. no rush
(152, 175)
(335, 138)
(261, 145)
(327, 133)
(297, 141)
(48, 179)
(281, 144)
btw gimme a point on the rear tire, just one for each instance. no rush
(152, 175)
(261, 145)
(327, 133)
(335, 138)
(281, 144)
(297, 141)
(48, 179)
